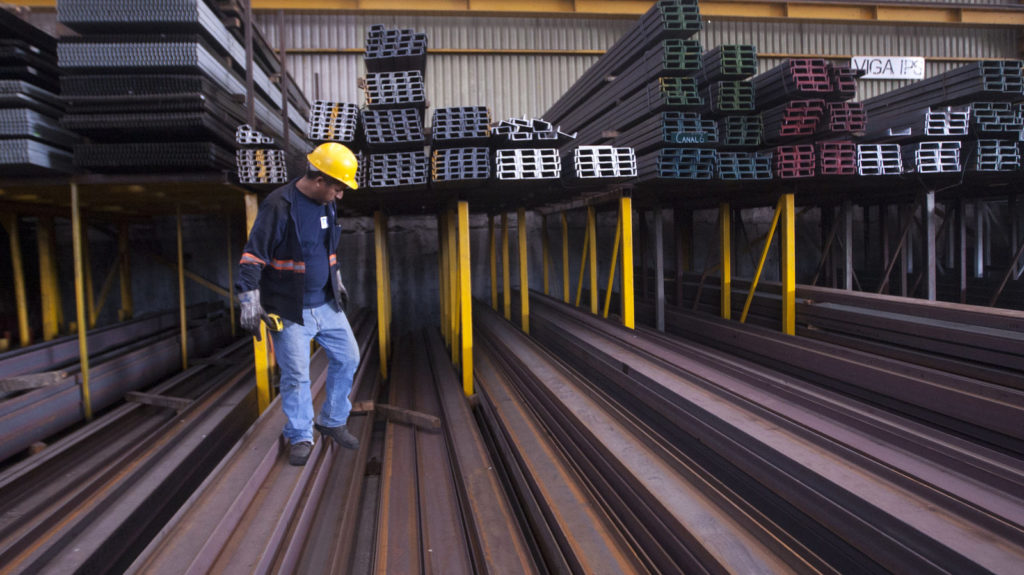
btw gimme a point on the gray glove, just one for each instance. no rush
(252, 312)
(340, 292)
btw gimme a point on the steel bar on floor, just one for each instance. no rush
(524, 278)
(659, 270)
(10, 222)
(628, 297)
(80, 311)
(49, 293)
(466, 299)
(259, 343)
(725, 243)
(506, 280)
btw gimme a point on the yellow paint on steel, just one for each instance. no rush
(442, 255)
(583, 263)
(108, 284)
(261, 354)
(506, 280)
(90, 300)
(760, 264)
(628, 301)
(545, 253)
(231, 274)
(466, 299)
(492, 248)
(524, 276)
(124, 264)
(453, 282)
(592, 226)
(725, 231)
(48, 293)
(183, 316)
(382, 332)
(612, 269)
(83, 343)
(565, 258)
(788, 264)
(387, 285)
(10, 223)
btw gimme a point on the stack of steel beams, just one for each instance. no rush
(527, 132)
(460, 167)
(31, 139)
(746, 165)
(795, 161)
(399, 170)
(793, 79)
(393, 130)
(741, 132)
(843, 118)
(161, 46)
(392, 50)
(727, 62)
(333, 122)
(402, 89)
(528, 164)
(606, 162)
(934, 157)
(460, 126)
(678, 164)
(660, 95)
(837, 158)
(994, 156)
(793, 120)
(731, 97)
(255, 164)
(879, 160)
(669, 129)
(996, 119)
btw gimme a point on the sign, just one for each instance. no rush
(889, 67)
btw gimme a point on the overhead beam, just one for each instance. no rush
(749, 10)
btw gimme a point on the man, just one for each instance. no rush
(289, 267)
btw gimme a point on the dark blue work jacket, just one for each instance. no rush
(272, 258)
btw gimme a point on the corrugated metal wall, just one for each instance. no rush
(527, 84)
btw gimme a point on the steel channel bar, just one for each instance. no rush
(675, 522)
(497, 543)
(950, 535)
(586, 539)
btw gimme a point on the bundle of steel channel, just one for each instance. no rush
(837, 158)
(659, 95)
(795, 79)
(459, 167)
(795, 161)
(933, 157)
(524, 132)
(669, 128)
(390, 50)
(404, 89)
(604, 162)
(746, 165)
(398, 170)
(258, 165)
(879, 160)
(391, 130)
(528, 164)
(993, 156)
(460, 126)
(997, 119)
(793, 120)
(677, 164)
(333, 122)
(159, 70)
(31, 140)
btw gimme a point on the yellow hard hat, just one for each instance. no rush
(337, 161)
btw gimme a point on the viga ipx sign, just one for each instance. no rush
(889, 67)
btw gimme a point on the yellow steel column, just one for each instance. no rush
(493, 250)
(506, 281)
(259, 346)
(181, 295)
(466, 299)
(90, 300)
(442, 272)
(48, 295)
(453, 281)
(626, 218)
(124, 263)
(612, 269)
(592, 227)
(788, 264)
(83, 344)
(583, 263)
(565, 259)
(10, 222)
(231, 276)
(524, 277)
(387, 285)
(760, 264)
(382, 331)
(545, 254)
(725, 230)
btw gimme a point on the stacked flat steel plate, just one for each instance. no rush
(162, 71)
(31, 139)
(395, 97)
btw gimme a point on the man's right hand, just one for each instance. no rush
(252, 312)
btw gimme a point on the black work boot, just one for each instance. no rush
(339, 434)
(298, 453)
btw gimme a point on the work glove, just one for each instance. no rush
(340, 293)
(252, 312)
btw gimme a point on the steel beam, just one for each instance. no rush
(847, 245)
(764, 257)
(80, 311)
(659, 270)
(124, 265)
(465, 299)
(453, 281)
(725, 243)
(787, 205)
(126, 290)
(524, 277)
(612, 268)
(49, 292)
(545, 252)
(10, 223)
(592, 229)
(492, 250)
(628, 299)
(259, 343)
(930, 238)
(506, 279)
(565, 258)
(379, 230)
(181, 293)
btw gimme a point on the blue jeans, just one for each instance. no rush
(330, 328)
